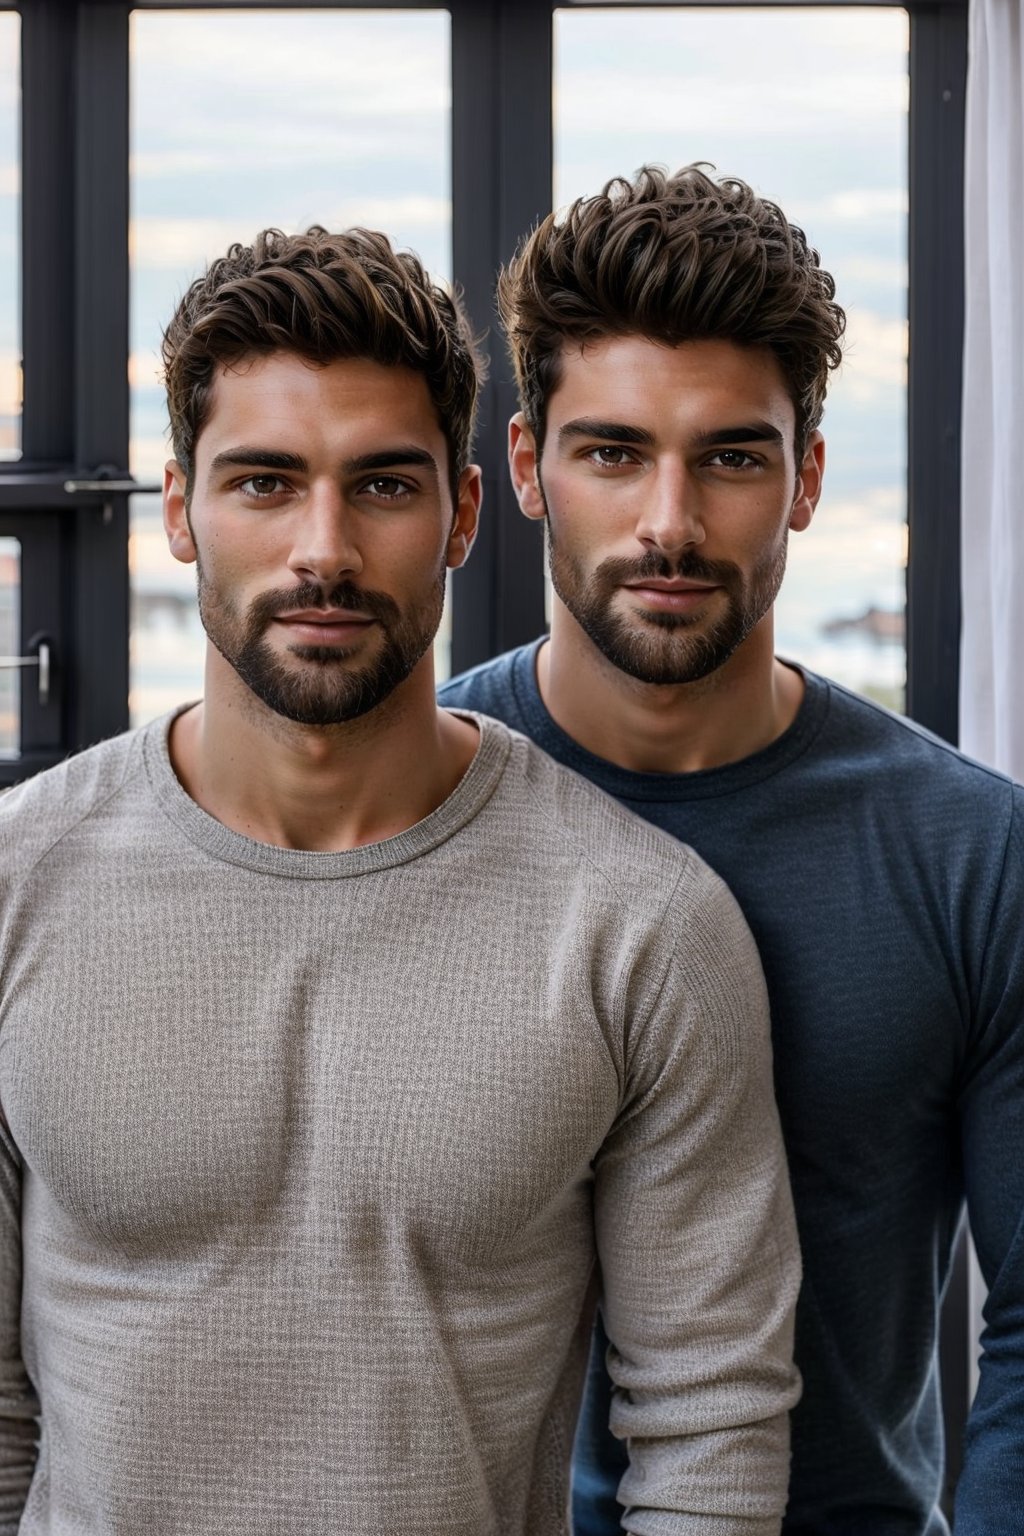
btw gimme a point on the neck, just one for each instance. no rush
(325, 789)
(735, 711)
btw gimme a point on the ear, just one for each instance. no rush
(467, 516)
(808, 484)
(523, 466)
(179, 534)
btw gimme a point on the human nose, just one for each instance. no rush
(670, 518)
(325, 545)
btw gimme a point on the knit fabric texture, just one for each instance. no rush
(316, 1162)
(882, 875)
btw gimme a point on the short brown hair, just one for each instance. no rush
(674, 258)
(323, 297)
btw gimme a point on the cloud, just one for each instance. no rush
(268, 66)
(10, 55)
(10, 382)
(875, 360)
(173, 244)
(687, 71)
(849, 539)
(391, 213)
(153, 567)
(179, 243)
(677, 103)
(144, 370)
(855, 205)
(871, 271)
(147, 456)
(10, 102)
(852, 557)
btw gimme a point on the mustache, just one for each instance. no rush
(688, 567)
(310, 594)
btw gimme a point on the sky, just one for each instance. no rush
(240, 120)
(810, 107)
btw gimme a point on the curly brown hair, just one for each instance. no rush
(322, 296)
(674, 258)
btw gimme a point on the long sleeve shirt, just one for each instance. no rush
(316, 1162)
(882, 875)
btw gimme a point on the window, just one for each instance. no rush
(810, 106)
(307, 103)
(10, 247)
(74, 282)
(10, 646)
(241, 150)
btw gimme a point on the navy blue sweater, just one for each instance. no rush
(882, 874)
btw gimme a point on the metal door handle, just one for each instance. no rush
(41, 659)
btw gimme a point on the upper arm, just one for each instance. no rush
(697, 1243)
(991, 1097)
(991, 1490)
(18, 1404)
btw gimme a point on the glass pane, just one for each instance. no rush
(350, 126)
(166, 639)
(810, 107)
(10, 637)
(10, 242)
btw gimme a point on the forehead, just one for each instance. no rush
(694, 386)
(345, 406)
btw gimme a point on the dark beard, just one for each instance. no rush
(666, 648)
(326, 690)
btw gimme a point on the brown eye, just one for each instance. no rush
(734, 458)
(387, 487)
(258, 486)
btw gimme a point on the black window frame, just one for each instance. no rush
(75, 316)
(75, 277)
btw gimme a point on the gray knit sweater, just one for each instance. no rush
(316, 1162)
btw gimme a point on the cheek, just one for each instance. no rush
(581, 513)
(765, 558)
(411, 557)
(244, 556)
(750, 527)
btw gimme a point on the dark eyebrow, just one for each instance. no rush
(265, 458)
(610, 431)
(726, 437)
(718, 437)
(403, 456)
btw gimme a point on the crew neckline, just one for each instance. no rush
(700, 783)
(469, 796)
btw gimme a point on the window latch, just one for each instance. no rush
(40, 654)
(108, 488)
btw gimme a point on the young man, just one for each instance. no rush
(341, 1037)
(672, 340)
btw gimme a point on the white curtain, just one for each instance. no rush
(992, 651)
(992, 517)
